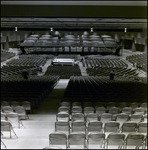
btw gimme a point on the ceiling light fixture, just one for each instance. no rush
(51, 29)
(15, 28)
(125, 29)
(91, 29)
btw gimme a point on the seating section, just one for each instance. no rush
(6, 55)
(69, 44)
(139, 61)
(101, 89)
(65, 72)
(34, 90)
(102, 67)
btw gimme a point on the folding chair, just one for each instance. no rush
(134, 105)
(52, 147)
(63, 109)
(127, 110)
(142, 127)
(3, 116)
(96, 140)
(62, 126)
(76, 140)
(100, 110)
(78, 126)
(20, 110)
(7, 109)
(139, 110)
(116, 141)
(121, 118)
(76, 109)
(14, 104)
(62, 116)
(64, 103)
(27, 106)
(76, 104)
(136, 118)
(111, 126)
(91, 117)
(134, 140)
(128, 126)
(114, 111)
(14, 119)
(110, 104)
(88, 110)
(7, 127)
(87, 104)
(94, 126)
(58, 139)
(77, 116)
(144, 105)
(105, 117)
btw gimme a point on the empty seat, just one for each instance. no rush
(88, 110)
(63, 109)
(105, 117)
(78, 126)
(139, 111)
(91, 117)
(115, 140)
(100, 110)
(27, 106)
(127, 110)
(76, 109)
(58, 139)
(76, 140)
(20, 110)
(142, 127)
(134, 141)
(62, 116)
(4, 103)
(136, 118)
(77, 116)
(122, 117)
(96, 140)
(7, 109)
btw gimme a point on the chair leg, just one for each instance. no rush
(3, 144)
(14, 133)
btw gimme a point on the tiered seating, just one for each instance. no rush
(35, 89)
(140, 60)
(102, 67)
(65, 72)
(6, 55)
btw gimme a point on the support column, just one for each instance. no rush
(7, 43)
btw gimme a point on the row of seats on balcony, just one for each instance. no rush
(139, 61)
(6, 55)
(65, 72)
(34, 90)
(91, 88)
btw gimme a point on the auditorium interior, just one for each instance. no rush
(74, 74)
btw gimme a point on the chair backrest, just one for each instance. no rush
(7, 109)
(20, 110)
(94, 126)
(96, 138)
(136, 118)
(63, 109)
(142, 127)
(4, 103)
(113, 110)
(3, 116)
(134, 105)
(127, 110)
(62, 116)
(5, 125)
(76, 104)
(88, 110)
(100, 110)
(111, 126)
(122, 117)
(15, 103)
(76, 110)
(62, 126)
(65, 104)
(76, 139)
(139, 110)
(77, 116)
(110, 104)
(144, 105)
(78, 126)
(13, 118)
(122, 104)
(91, 117)
(26, 105)
(135, 139)
(115, 139)
(105, 117)
(58, 138)
(129, 126)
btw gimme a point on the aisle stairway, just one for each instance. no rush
(51, 103)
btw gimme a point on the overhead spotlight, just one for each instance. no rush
(91, 29)
(15, 28)
(125, 29)
(51, 29)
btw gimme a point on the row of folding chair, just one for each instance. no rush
(100, 126)
(99, 110)
(20, 110)
(97, 140)
(121, 117)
